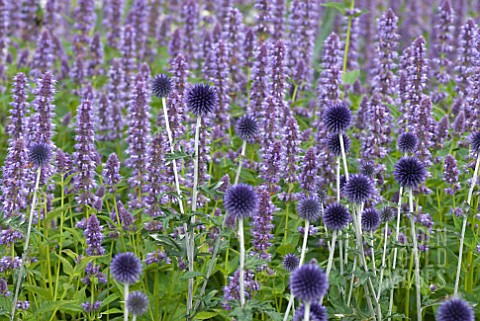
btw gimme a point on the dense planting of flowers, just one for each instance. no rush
(239, 160)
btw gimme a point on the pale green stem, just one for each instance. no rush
(302, 259)
(306, 316)
(395, 250)
(417, 259)
(349, 298)
(125, 296)
(27, 240)
(373, 255)
(464, 225)
(384, 256)
(191, 238)
(242, 155)
(241, 240)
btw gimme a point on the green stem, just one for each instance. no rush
(417, 259)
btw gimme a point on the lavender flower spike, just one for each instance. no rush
(94, 237)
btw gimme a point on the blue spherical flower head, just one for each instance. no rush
(290, 262)
(370, 220)
(409, 172)
(126, 268)
(39, 154)
(367, 168)
(309, 208)
(407, 143)
(334, 146)
(247, 128)
(137, 303)
(240, 200)
(455, 310)
(308, 283)
(475, 141)
(337, 118)
(359, 188)
(387, 214)
(336, 216)
(161, 86)
(317, 313)
(201, 99)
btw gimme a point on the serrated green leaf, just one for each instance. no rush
(190, 275)
(340, 6)
(351, 77)
(204, 315)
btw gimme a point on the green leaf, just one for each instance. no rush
(113, 310)
(67, 267)
(340, 6)
(190, 275)
(351, 76)
(285, 249)
(204, 315)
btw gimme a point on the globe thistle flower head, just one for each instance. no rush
(202, 99)
(407, 143)
(40, 154)
(247, 128)
(455, 310)
(359, 188)
(290, 262)
(334, 146)
(308, 283)
(240, 200)
(367, 168)
(370, 219)
(336, 216)
(475, 141)
(387, 214)
(309, 208)
(161, 86)
(337, 118)
(137, 303)
(409, 172)
(126, 268)
(317, 313)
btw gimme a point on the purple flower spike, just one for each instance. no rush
(94, 237)
(262, 224)
(19, 106)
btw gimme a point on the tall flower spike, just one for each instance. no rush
(376, 139)
(44, 57)
(111, 172)
(385, 80)
(273, 162)
(234, 37)
(102, 119)
(466, 54)
(260, 76)
(262, 224)
(156, 180)
(40, 125)
(450, 174)
(86, 154)
(14, 179)
(138, 18)
(85, 17)
(329, 81)
(95, 64)
(180, 74)
(278, 18)
(292, 148)
(270, 127)
(128, 51)
(138, 138)
(263, 26)
(17, 125)
(443, 42)
(94, 237)
(190, 17)
(308, 178)
(113, 21)
(278, 77)
(472, 97)
(424, 130)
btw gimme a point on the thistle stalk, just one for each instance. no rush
(27, 241)
(125, 295)
(416, 257)
(306, 315)
(395, 250)
(464, 225)
(241, 240)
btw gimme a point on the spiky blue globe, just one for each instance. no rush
(240, 200)
(202, 99)
(337, 118)
(126, 268)
(370, 219)
(367, 168)
(407, 143)
(308, 283)
(334, 146)
(409, 172)
(475, 141)
(309, 208)
(359, 188)
(317, 313)
(387, 214)
(455, 310)
(39, 154)
(161, 86)
(290, 262)
(336, 216)
(247, 128)
(137, 303)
